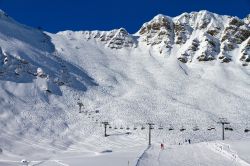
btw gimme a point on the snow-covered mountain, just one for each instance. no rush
(202, 36)
(184, 71)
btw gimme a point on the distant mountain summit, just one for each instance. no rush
(202, 36)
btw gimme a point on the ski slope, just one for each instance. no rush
(210, 153)
(131, 80)
(202, 154)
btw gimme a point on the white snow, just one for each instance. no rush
(43, 76)
(211, 153)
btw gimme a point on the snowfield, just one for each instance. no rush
(178, 73)
(206, 153)
(211, 153)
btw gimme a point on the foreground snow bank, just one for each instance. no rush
(229, 153)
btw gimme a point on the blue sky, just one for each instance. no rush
(58, 15)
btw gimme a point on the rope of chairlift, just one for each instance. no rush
(170, 128)
(141, 126)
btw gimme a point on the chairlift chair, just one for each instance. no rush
(160, 127)
(196, 128)
(182, 129)
(246, 130)
(135, 128)
(127, 128)
(229, 128)
(110, 127)
(115, 128)
(142, 128)
(171, 128)
(121, 128)
(211, 128)
(97, 111)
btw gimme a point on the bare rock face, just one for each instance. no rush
(120, 39)
(210, 49)
(182, 32)
(114, 39)
(205, 19)
(160, 30)
(189, 53)
(226, 47)
(236, 32)
(245, 54)
(216, 36)
(213, 32)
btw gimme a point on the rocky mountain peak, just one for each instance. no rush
(201, 36)
(159, 31)
(247, 19)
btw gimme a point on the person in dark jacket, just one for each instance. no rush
(162, 146)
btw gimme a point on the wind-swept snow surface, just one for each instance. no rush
(181, 73)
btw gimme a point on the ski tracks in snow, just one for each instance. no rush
(141, 157)
(226, 151)
(34, 163)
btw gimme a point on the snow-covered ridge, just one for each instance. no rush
(114, 39)
(217, 35)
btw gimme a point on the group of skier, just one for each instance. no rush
(186, 140)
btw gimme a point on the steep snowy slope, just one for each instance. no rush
(33, 103)
(143, 80)
(179, 72)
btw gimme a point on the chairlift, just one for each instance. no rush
(171, 128)
(182, 129)
(196, 128)
(160, 127)
(246, 130)
(229, 128)
(211, 128)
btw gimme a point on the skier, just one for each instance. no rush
(162, 146)
(189, 141)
